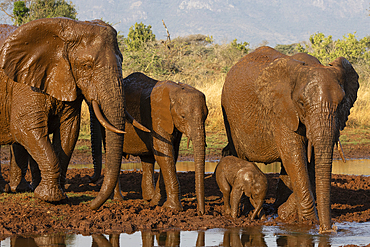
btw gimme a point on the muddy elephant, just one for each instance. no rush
(52, 62)
(169, 110)
(290, 109)
(236, 177)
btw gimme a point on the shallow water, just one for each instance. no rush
(351, 167)
(351, 233)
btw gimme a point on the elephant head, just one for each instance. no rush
(314, 101)
(65, 58)
(182, 108)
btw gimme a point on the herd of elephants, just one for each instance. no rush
(276, 108)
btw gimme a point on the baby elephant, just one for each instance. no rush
(234, 177)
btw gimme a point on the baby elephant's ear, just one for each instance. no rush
(161, 107)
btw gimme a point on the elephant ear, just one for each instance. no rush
(160, 102)
(36, 54)
(350, 86)
(275, 86)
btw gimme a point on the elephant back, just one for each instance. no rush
(137, 87)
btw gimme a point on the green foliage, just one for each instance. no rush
(51, 8)
(20, 11)
(138, 36)
(327, 50)
(287, 49)
(240, 46)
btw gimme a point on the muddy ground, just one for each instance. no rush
(24, 214)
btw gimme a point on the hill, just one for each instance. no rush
(274, 21)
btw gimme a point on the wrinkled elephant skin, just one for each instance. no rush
(236, 177)
(169, 110)
(286, 108)
(48, 66)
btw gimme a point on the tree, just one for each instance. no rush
(51, 8)
(138, 36)
(20, 12)
(25, 11)
(326, 49)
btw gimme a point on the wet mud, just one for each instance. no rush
(23, 214)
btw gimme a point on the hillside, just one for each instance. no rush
(274, 21)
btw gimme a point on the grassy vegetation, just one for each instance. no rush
(196, 61)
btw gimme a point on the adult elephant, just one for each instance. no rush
(169, 110)
(47, 67)
(290, 109)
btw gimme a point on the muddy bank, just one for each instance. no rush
(23, 214)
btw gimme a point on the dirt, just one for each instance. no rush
(23, 214)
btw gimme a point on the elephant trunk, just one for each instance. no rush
(112, 105)
(199, 143)
(323, 144)
(323, 167)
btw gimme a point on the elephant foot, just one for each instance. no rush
(49, 191)
(148, 194)
(227, 211)
(4, 187)
(288, 211)
(22, 186)
(117, 196)
(173, 205)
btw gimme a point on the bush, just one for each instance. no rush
(327, 50)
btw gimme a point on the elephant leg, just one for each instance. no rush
(117, 194)
(147, 182)
(65, 138)
(284, 188)
(4, 186)
(160, 191)
(18, 168)
(294, 162)
(43, 153)
(36, 173)
(225, 189)
(171, 182)
(235, 195)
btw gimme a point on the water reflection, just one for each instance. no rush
(350, 234)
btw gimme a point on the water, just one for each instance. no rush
(353, 233)
(284, 235)
(351, 167)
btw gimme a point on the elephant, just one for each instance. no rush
(47, 67)
(168, 110)
(290, 109)
(236, 176)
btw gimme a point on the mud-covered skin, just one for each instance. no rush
(236, 177)
(290, 109)
(47, 67)
(169, 110)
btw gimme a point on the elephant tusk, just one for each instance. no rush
(309, 151)
(135, 123)
(340, 149)
(102, 120)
